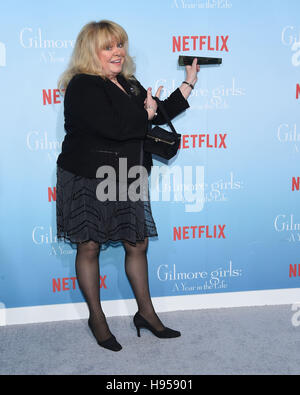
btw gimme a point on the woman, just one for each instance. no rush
(106, 115)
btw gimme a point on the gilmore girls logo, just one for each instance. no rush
(288, 226)
(37, 39)
(45, 236)
(195, 281)
(40, 141)
(290, 37)
(219, 97)
(289, 134)
(50, 47)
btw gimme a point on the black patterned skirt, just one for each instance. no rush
(81, 216)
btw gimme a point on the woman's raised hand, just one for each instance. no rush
(191, 72)
(150, 104)
(191, 77)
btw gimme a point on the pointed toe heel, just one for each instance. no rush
(110, 344)
(166, 333)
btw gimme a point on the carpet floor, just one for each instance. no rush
(247, 340)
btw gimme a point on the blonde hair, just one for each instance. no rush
(92, 37)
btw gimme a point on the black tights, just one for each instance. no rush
(88, 276)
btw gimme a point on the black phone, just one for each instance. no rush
(188, 60)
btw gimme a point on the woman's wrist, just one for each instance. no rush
(189, 84)
(191, 80)
(151, 112)
(185, 90)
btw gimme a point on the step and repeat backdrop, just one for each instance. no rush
(226, 208)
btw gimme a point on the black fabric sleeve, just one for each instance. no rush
(175, 104)
(89, 109)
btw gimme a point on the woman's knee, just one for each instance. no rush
(89, 248)
(140, 247)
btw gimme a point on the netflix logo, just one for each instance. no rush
(203, 141)
(51, 194)
(297, 91)
(51, 96)
(70, 283)
(199, 232)
(294, 271)
(201, 43)
(296, 184)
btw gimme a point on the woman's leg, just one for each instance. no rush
(88, 276)
(136, 267)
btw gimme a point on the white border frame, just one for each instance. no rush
(125, 307)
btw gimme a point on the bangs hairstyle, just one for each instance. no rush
(84, 59)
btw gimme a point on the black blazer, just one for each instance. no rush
(103, 123)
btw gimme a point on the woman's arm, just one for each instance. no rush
(191, 79)
(177, 101)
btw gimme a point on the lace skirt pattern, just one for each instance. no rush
(80, 216)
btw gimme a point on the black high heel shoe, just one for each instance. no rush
(111, 343)
(166, 333)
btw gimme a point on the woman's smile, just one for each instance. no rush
(112, 59)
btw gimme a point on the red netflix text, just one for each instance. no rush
(70, 283)
(297, 91)
(52, 194)
(51, 96)
(296, 184)
(294, 271)
(203, 141)
(199, 232)
(194, 43)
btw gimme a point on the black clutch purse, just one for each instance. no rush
(159, 141)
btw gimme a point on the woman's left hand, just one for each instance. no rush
(150, 104)
(191, 72)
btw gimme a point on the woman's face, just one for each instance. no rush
(112, 59)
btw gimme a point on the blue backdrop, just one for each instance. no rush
(242, 133)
